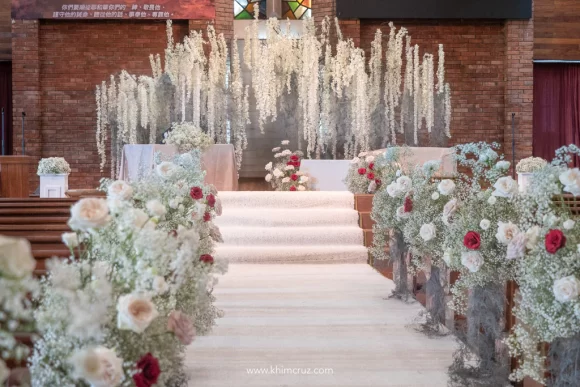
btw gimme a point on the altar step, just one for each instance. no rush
(290, 227)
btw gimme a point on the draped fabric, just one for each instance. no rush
(556, 107)
(6, 102)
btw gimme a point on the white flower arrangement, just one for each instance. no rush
(147, 254)
(284, 173)
(530, 165)
(187, 137)
(53, 166)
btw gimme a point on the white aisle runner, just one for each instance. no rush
(282, 321)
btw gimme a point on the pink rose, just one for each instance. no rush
(181, 326)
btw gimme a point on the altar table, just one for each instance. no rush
(218, 162)
(326, 175)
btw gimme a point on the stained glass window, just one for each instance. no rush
(296, 9)
(244, 9)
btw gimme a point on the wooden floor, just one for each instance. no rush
(281, 320)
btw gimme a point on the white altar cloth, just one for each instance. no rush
(326, 175)
(218, 162)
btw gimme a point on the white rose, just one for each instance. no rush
(115, 205)
(301, 188)
(269, 166)
(70, 239)
(517, 246)
(16, 257)
(303, 179)
(370, 159)
(160, 286)
(135, 313)
(569, 224)
(156, 208)
(268, 177)
(505, 187)
(286, 152)
(427, 232)
(278, 155)
(401, 214)
(286, 180)
(100, 367)
(285, 142)
(571, 181)
(120, 190)
(503, 165)
(140, 217)
(277, 149)
(435, 195)
(506, 232)
(356, 160)
(449, 210)
(446, 187)
(566, 289)
(166, 169)
(394, 189)
(405, 183)
(532, 237)
(289, 168)
(484, 224)
(278, 173)
(492, 200)
(174, 203)
(472, 260)
(89, 213)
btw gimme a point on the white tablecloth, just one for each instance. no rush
(326, 175)
(218, 162)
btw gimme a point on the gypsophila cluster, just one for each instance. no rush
(140, 289)
(187, 137)
(284, 172)
(53, 166)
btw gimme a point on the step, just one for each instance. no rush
(273, 199)
(296, 236)
(34, 227)
(293, 254)
(287, 218)
(33, 219)
(49, 250)
(32, 211)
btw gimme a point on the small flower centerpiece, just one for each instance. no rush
(53, 172)
(284, 172)
(364, 174)
(526, 167)
(187, 137)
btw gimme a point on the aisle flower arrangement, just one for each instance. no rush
(122, 314)
(549, 276)
(284, 172)
(187, 137)
(365, 172)
(53, 166)
(16, 287)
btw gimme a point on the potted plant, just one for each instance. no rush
(526, 167)
(53, 172)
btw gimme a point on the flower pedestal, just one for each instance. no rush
(53, 186)
(524, 180)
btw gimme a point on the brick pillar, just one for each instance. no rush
(26, 90)
(224, 18)
(519, 87)
(350, 27)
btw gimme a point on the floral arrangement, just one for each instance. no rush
(530, 165)
(16, 285)
(53, 166)
(123, 312)
(549, 276)
(284, 173)
(363, 175)
(187, 137)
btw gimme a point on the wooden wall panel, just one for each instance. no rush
(556, 29)
(5, 31)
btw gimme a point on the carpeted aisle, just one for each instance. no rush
(282, 321)
(290, 227)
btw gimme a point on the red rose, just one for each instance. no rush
(371, 176)
(555, 240)
(297, 164)
(294, 177)
(472, 240)
(206, 258)
(211, 200)
(150, 371)
(378, 181)
(196, 193)
(362, 171)
(371, 165)
(294, 158)
(172, 233)
(408, 206)
(206, 217)
(292, 188)
(290, 163)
